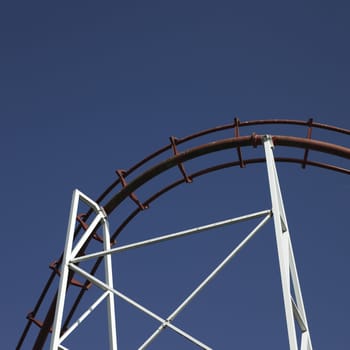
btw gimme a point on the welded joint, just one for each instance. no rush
(239, 151)
(310, 124)
(121, 174)
(103, 213)
(85, 226)
(298, 316)
(38, 323)
(309, 133)
(61, 347)
(173, 141)
(236, 124)
(165, 324)
(54, 266)
(254, 140)
(283, 225)
(268, 138)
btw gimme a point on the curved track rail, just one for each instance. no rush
(130, 180)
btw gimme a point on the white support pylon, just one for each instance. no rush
(71, 260)
(294, 310)
(70, 253)
(109, 281)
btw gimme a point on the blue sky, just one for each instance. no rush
(88, 88)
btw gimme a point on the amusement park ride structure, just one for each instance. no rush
(61, 319)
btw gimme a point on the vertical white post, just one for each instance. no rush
(61, 294)
(293, 311)
(70, 253)
(109, 281)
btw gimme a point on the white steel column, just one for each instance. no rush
(294, 310)
(70, 252)
(109, 281)
(61, 296)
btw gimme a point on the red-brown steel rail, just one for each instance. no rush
(128, 188)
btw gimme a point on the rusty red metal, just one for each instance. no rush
(180, 165)
(128, 188)
(239, 151)
(54, 266)
(85, 226)
(309, 132)
(121, 173)
(38, 323)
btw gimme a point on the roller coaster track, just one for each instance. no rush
(169, 156)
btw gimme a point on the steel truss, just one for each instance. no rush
(294, 309)
(130, 180)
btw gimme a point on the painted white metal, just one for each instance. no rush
(69, 253)
(167, 322)
(294, 311)
(172, 236)
(61, 347)
(138, 306)
(109, 281)
(56, 329)
(234, 252)
(84, 316)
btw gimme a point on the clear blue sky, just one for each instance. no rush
(89, 87)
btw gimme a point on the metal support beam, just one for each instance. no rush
(294, 311)
(70, 252)
(71, 260)
(195, 292)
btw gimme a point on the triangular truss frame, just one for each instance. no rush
(294, 309)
